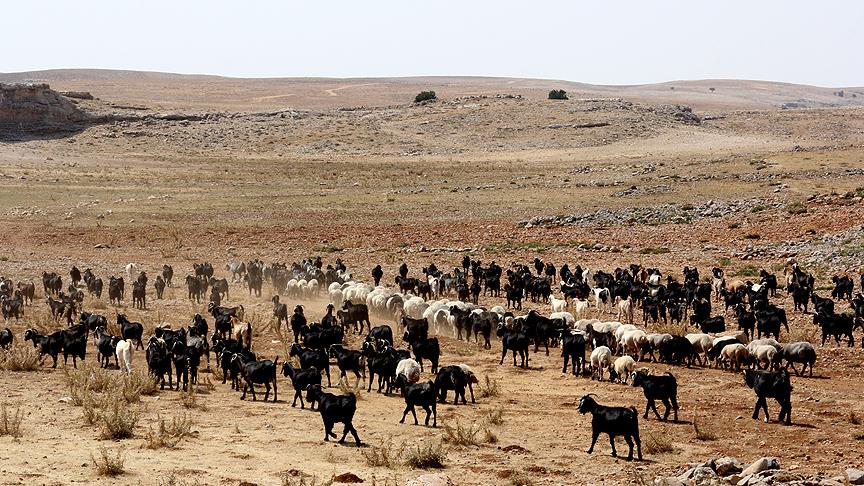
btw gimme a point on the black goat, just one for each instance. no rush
(280, 312)
(573, 350)
(662, 387)
(6, 338)
(348, 360)
(261, 372)
(615, 421)
(771, 384)
(302, 380)
(423, 395)
(356, 314)
(335, 409)
(297, 321)
(713, 325)
(159, 362)
(453, 377)
(131, 330)
(312, 358)
(515, 341)
(835, 325)
(425, 348)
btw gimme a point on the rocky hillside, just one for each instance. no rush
(31, 107)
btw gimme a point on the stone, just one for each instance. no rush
(702, 475)
(430, 480)
(855, 476)
(760, 465)
(726, 466)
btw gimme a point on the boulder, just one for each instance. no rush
(760, 465)
(855, 476)
(35, 107)
(726, 466)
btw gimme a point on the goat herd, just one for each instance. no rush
(422, 306)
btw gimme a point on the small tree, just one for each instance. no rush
(711, 89)
(425, 96)
(558, 94)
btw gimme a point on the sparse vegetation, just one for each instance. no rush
(20, 357)
(382, 455)
(490, 388)
(168, 434)
(752, 236)
(189, 399)
(117, 419)
(425, 96)
(854, 418)
(462, 435)
(429, 455)
(654, 250)
(10, 422)
(495, 416)
(796, 208)
(657, 444)
(108, 463)
(293, 478)
(702, 433)
(748, 271)
(558, 94)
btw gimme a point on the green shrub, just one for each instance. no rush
(558, 94)
(425, 96)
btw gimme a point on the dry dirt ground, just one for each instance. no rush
(395, 182)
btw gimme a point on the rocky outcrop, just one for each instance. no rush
(36, 108)
(763, 472)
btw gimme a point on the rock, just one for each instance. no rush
(703, 475)
(65, 399)
(831, 482)
(35, 107)
(347, 478)
(668, 482)
(855, 476)
(726, 466)
(760, 465)
(101, 245)
(430, 480)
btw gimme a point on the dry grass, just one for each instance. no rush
(382, 455)
(461, 435)
(520, 479)
(303, 480)
(657, 444)
(854, 418)
(117, 419)
(138, 384)
(108, 464)
(669, 328)
(495, 416)
(489, 436)
(168, 434)
(703, 434)
(432, 455)
(20, 357)
(804, 332)
(172, 480)
(189, 399)
(491, 387)
(10, 423)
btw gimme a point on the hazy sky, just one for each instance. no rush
(608, 42)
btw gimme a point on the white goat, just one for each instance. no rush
(123, 353)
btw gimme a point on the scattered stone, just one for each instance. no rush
(760, 465)
(430, 480)
(855, 476)
(347, 477)
(726, 466)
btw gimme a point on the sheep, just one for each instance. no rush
(771, 384)
(625, 310)
(565, 317)
(601, 359)
(335, 409)
(735, 355)
(661, 387)
(633, 341)
(423, 395)
(614, 421)
(764, 354)
(798, 352)
(407, 373)
(558, 305)
(701, 345)
(621, 369)
(655, 343)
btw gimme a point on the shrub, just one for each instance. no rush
(658, 444)
(491, 387)
(495, 416)
(136, 384)
(20, 358)
(748, 271)
(489, 436)
(558, 94)
(654, 250)
(854, 419)
(382, 455)
(425, 96)
(10, 423)
(703, 434)
(189, 398)
(462, 435)
(117, 418)
(426, 456)
(108, 464)
(168, 434)
(796, 208)
(302, 479)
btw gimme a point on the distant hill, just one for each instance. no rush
(201, 92)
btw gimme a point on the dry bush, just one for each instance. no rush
(20, 357)
(702, 433)
(462, 435)
(657, 444)
(117, 418)
(90, 407)
(168, 434)
(136, 384)
(489, 436)
(804, 332)
(854, 419)
(426, 456)
(490, 388)
(669, 328)
(382, 455)
(172, 480)
(204, 385)
(108, 464)
(10, 423)
(495, 416)
(346, 389)
(520, 479)
(189, 399)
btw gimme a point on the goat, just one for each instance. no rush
(123, 354)
(131, 330)
(261, 372)
(613, 421)
(423, 395)
(453, 377)
(310, 358)
(424, 348)
(302, 380)
(335, 409)
(348, 360)
(771, 384)
(6, 338)
(513, 340)
(799, 352)
(573, 350)
(662, 387)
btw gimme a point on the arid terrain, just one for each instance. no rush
(183, 169)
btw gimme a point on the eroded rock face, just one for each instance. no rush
(35, 107)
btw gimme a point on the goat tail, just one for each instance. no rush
(672, 376)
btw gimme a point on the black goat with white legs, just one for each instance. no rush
(348, 360)
(106, 345)
(771, 384)
(614, 421)
(421, 395)
(302, 380)
(6, 338)
(662, 387)
(336, 409)
(452, 377)
(257, 372)
(312, 358)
